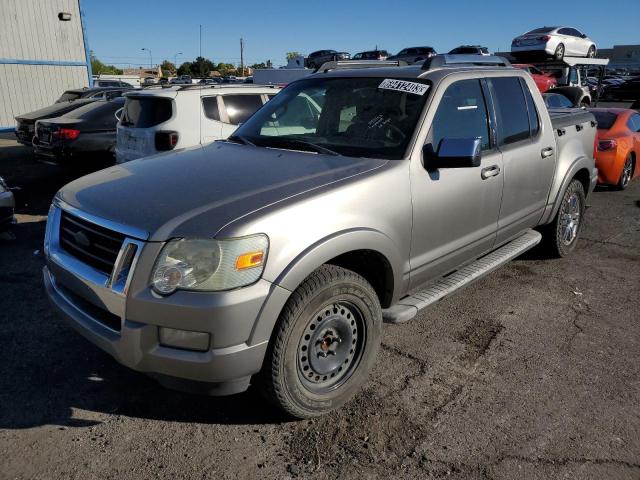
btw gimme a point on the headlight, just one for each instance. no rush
(209, 265)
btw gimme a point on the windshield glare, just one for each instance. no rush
(350, 116)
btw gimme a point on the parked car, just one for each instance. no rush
(316, 59)
(111, 83)
(628, 90)
(272, 258)
(556, 42)
(25, 123)
(413, 54)
(372, 55)
(181, 80)
(557, 100)
(618, 145)
(469, 50)
(158, 120)
(97, 93)
(7, 204)
(544, 81)
(146, 81)
(86, 134)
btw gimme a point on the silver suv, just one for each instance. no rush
(272, 258)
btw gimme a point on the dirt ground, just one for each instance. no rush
(534, 372)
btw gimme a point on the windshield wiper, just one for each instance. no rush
(240, 139)
(303, 143)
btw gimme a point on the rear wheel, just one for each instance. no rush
(591, 53)
(324, 344)
(559, 53)
(626, 174)
(561, 235)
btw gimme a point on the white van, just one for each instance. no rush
(165, 118)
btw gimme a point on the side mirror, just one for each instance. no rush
(453, 153)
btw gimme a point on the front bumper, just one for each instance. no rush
(125, 319)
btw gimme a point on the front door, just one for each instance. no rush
(455, 210)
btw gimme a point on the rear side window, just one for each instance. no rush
(241, 107)
(634, 123)
(534, 119)
(210, 105)
(141, 112)
(511, 110)
(462, 113)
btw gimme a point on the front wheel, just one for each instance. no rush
(324, 344)
(592, 52)
(561, 235)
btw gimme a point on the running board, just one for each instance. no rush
(409, 306)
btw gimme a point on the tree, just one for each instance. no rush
(185, 68)
(201, 67)
(97, 67)
(167, 68)
(258, 65)
(226, 69)
(292, 55)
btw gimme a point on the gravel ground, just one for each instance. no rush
(534, 372)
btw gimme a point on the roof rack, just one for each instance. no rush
(199, 86)
(348, 64)
(460, 60)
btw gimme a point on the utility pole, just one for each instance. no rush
(242, 56)
(200, 41)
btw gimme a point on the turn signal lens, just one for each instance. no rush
(249, 260)
(604, 145)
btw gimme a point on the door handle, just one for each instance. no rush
(546, 152)
(491, 171)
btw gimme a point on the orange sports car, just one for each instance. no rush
(618, 149)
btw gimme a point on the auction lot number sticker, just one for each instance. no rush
(404, 86)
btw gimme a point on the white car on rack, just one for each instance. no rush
(557, 42)
(158, 119)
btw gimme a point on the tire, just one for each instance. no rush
(559, 52)
(557, 239)
(333, 310)
(627, 173)
(591, 53)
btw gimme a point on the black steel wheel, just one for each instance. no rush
(324, 344)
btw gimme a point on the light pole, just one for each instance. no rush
(175, 60)
(150, 57)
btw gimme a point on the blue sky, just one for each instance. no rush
(118, 29)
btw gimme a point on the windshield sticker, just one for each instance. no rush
(404, 86)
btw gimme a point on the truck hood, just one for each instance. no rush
(197, 191)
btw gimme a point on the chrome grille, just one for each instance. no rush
(92, 244)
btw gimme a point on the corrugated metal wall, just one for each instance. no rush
(33, 43)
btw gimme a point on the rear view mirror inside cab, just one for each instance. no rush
(453, 153)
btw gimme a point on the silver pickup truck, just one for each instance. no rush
(355, 195)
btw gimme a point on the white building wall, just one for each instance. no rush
(40, 56)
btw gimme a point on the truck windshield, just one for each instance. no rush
(356, 117)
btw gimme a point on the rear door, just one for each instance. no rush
(455, 210)
(528, 154)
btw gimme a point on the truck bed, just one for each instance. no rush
(574, 131)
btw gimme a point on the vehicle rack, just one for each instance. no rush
(461, 60)
(349, 64)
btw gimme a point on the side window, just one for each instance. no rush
(402, 52)
(564, 31)
(511, 110)
(210, 106)
(634, 123)
(241, 107)
(534, 118)
(462, 113)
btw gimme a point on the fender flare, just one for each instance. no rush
(337, 244)
(315, 255)
(580, 163)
